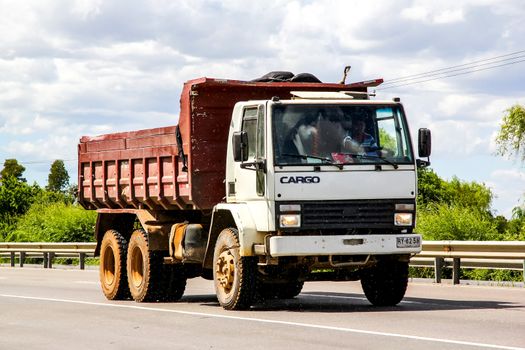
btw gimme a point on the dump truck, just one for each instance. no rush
(260, 187)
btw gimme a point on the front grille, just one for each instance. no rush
(366, 214)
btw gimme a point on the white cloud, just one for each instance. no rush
(433, 14)
(509, 174)
(455, 103)
(87, 8)
(456, 138)
(449, 16)
(416, 13)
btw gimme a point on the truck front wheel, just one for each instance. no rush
(112, 271)
(385, 283)
(235, 277)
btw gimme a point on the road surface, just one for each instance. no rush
(65, 309)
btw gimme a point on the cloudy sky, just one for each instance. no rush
(79, 67)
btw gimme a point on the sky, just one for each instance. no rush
(70, 68)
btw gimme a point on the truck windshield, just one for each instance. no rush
(340, 134)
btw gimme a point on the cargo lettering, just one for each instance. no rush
(300, 180)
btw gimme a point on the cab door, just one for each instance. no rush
(250, 175)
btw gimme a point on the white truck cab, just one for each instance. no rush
(326, 181)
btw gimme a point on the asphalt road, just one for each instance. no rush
(65, 309)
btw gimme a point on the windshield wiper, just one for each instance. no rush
(306, 156)
(367, 156)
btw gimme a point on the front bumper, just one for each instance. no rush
(343, 245)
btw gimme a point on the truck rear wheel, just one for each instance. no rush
(235, 277)
(173, 282)
(286, 290)
(148, 278)
(112, 271)
(385, 284)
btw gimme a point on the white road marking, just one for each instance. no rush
(262, 320)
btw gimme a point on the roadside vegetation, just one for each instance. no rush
(458, 210)
(30, 213)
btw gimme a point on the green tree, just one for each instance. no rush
(470, 194)
(58, 179)
(518, 213)
(515, 227)
(13, 168)
(511, 136)
(431, 188)
(16, 198)
(386, 140)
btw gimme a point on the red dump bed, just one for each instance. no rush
(144, 169)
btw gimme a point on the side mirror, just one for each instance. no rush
(424, 143)
(240, 146)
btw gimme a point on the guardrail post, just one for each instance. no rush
(438, 265)
(45, 260)
(22, 258)
(12, 259)
(82, 260)
(50, 257)
(456, 264)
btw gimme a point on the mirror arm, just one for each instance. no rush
(423, 163)
(257, 165)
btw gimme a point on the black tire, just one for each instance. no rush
(385, 284)
(112, 270)
(305, 78)
(235, 277)
(288, 290)
(148, 278)
(275, 76)
(174, 283)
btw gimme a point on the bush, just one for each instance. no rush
(7, 224)
(449, 222)
(492, 275)
(55, 222)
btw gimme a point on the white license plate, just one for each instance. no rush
(408, 242)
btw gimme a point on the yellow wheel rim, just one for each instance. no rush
(225, 271)
(137, 267)
(109, 266)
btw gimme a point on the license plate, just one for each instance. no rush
(408, 242)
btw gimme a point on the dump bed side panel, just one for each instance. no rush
(139, 169)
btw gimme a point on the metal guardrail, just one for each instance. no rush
(47, 251)
(507, 255)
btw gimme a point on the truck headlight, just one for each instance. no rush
(403, 219)
(290, 220)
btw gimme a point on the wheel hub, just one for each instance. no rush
(225, 270)
(109, 266)
(137, 267)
